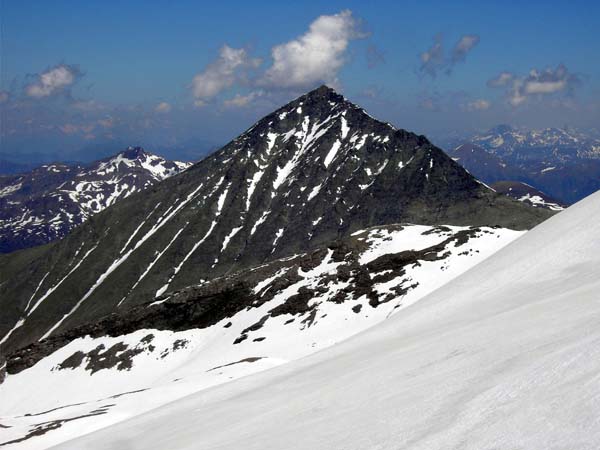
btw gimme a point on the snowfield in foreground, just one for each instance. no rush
(506, 356)
(297, 306)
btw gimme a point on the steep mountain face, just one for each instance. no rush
(314, 171)
(525, 193)
(563, 163)
(231, 326)
(47, 203)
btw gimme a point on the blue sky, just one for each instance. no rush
(154, 73)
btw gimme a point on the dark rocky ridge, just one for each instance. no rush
(222, 298)
(180, 231)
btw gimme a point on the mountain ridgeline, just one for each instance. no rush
(563, 163)
(314, 171)
(46, 203)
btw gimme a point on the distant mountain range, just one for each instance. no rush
(564, 164)
(46, 203)
(555, 144)
(20, 158)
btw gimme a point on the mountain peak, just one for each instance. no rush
(322, 90)
(133, 152)
(314, 171)
(323, 95)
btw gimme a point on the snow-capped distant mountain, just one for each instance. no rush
(563, 163)
(505, 356)
(530, 145)
(48, 202)
(316, 170)
(229, 327)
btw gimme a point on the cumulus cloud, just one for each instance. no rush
(163, 107)
(434, 59)
(316, 56)
(52, 81)
(221, 73)
(537, 84)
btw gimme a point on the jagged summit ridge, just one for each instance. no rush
(313, 171)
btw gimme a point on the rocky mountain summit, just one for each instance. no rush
(314, 171)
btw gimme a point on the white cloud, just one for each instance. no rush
(54, 80)
(464, 45)
(316, 56)
(220, 74)
(545, 87)
(241, 101)
(478, 105)
(434, 59)
(536, 84)
(502, 79)
(3, 96)
(163, 107)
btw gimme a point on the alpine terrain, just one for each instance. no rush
(48, 202)
(316, 170)
(504, 356)
(315, 224)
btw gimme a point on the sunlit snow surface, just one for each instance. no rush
(171, 365)
(506, 356)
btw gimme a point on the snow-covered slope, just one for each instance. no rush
(292, 308)
(506, 356)
(48, 202)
